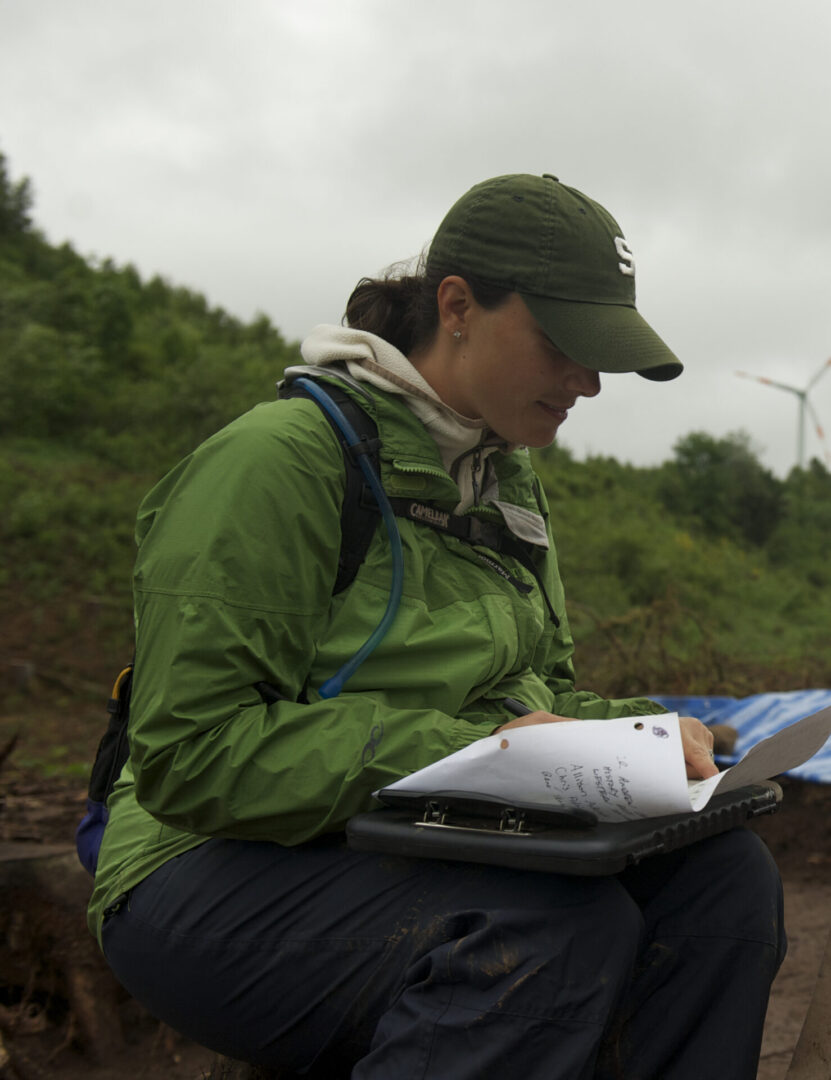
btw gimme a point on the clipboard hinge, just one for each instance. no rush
(434, 812)
(510, 820)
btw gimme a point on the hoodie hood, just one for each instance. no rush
(369, 358)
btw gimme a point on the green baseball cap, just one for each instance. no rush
(567, 258)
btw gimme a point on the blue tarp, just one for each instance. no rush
(756, 717)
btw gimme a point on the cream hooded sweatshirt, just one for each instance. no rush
(464, 444)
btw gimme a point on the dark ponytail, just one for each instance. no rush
(401, 307)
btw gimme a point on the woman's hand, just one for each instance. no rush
(697, 741)
(538, 717)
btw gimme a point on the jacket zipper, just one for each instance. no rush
(427, 470)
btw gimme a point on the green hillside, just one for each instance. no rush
(705, 574)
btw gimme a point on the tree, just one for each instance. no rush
(800, 540)
(16, 200)
(720, 487)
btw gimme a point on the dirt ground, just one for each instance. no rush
(44, 1040)
(799, 836)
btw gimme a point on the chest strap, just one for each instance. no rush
(477, 533)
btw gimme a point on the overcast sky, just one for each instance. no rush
(270, 152)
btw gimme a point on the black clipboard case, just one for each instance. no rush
(468, 827)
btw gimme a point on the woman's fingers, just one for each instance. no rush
(697, 741)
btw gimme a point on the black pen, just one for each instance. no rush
(516, 707)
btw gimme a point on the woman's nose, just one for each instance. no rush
(585, 381)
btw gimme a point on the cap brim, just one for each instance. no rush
(605, 337)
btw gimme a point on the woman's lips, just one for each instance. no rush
(554, 410)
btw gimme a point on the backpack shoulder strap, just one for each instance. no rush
(359, 515)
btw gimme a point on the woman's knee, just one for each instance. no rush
(725, 886)
(547, 947)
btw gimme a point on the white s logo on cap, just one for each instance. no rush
(627, 266)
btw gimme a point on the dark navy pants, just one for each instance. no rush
(336, 964)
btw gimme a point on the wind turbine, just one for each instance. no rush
(804, 406)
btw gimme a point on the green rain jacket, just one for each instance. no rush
(237, 555)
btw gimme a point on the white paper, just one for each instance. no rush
(632, 767)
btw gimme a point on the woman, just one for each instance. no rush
(226, 900)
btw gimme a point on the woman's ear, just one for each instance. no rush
(454, 298)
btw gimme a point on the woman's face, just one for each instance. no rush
(508, 373)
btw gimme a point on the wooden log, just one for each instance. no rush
(45, 944)
(44, 892)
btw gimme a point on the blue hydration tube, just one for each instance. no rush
(333, 685)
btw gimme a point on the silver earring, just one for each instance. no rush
(457, 334)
